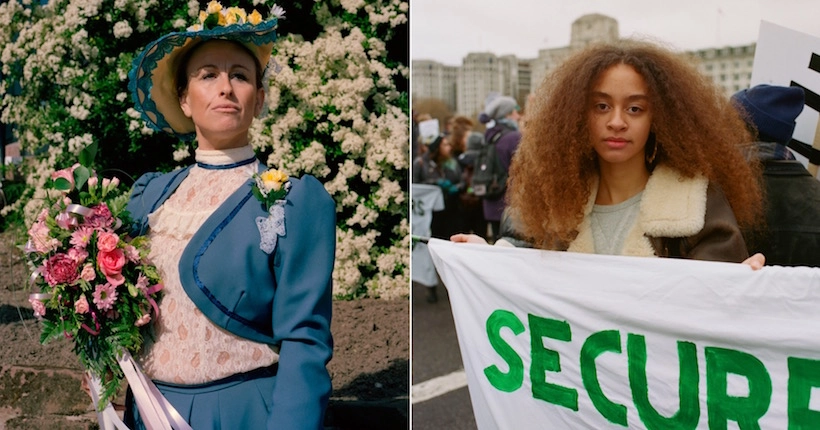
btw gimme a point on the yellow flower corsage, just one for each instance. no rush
(270, 188)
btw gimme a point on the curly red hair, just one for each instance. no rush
(696, 128)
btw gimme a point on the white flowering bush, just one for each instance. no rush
(337, 109)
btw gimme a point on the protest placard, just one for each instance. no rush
(790, 58)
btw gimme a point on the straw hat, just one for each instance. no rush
(152, 79)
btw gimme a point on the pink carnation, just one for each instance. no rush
(132, 253)
(142, 282)
(39, 308)
(81, 305)
(106, 241)
(78, 254)
(101, 218)
(41, 238)
(60, 269)
(81, 237)
(88, 273)
(65, 221)
(104, 296)
(111, 264)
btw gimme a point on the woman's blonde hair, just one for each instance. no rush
(696, 128)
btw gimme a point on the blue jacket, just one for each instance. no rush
(281, 299)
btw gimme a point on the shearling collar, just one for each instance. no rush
(671, 206)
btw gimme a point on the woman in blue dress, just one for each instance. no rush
(245, 253)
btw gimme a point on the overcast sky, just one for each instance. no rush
(447, 30)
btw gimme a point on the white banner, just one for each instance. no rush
(560, 340)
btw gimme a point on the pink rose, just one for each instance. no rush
(60, 269)
(106, 242)
(111, 264)
(144, 319)
(67, 174)
(88, 273)
(81, 305)
(39, 308)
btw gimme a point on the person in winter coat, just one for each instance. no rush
(630, 151)
(791, 236)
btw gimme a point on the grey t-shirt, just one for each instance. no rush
(611, 223)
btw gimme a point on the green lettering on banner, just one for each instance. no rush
(507, 382)
(595, 345)
(804, 374)
(746, 411)
(544, 359)
(689, 410)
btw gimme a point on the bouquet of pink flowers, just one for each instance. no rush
(95, 286)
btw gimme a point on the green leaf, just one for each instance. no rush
(81, 175)
(88, 154)
(62, 184)
(211, 21)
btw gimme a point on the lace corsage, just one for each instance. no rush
(270, 188)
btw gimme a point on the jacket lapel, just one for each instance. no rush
(671, 206)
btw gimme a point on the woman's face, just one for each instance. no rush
(620, 116)
(445, 150)
(221, 97)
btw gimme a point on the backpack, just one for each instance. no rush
(489, 175)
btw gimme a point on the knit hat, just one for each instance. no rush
(475, 141)
(771, 109)
(152, 79)
(498, 108)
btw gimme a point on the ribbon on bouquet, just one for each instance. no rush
(155, 410)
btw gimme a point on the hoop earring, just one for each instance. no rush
(651, 158)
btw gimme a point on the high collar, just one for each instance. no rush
(224, 157)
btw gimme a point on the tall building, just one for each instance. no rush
(432, 79)
(729, 67)
(485, 73)
(482, 74)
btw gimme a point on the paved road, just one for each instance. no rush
(437, 367)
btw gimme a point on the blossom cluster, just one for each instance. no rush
(90, 282)
(336, 112)
(63, 80)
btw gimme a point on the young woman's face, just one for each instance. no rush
(221, 97)
(445, 150)
(620, 116)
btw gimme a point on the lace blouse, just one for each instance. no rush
(188, 347)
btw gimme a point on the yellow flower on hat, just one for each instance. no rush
(236, 15)
(214, 7)
(255, 17)
(203, 16)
